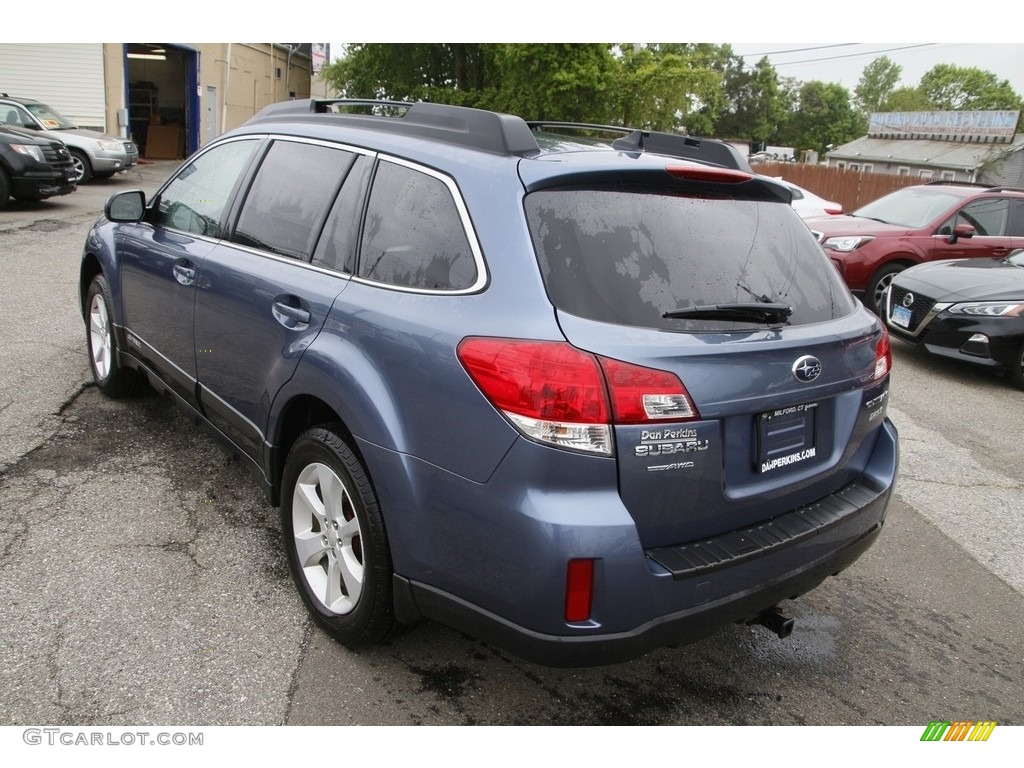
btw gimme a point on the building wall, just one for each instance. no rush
(67, 76)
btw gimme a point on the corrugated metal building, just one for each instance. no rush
(979, 146)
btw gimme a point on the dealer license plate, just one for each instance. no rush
(786, 436)
(901, 317)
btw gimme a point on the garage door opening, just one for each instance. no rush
(162, 99)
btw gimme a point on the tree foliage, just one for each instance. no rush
(699, 88)
(951, 87)
(877, 82)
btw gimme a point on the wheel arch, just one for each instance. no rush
(89, 269)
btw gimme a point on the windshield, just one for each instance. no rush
(909, 207)
(659, 260)
(49, 117)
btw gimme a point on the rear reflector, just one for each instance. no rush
(579, 590)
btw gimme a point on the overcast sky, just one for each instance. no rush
(844, 63)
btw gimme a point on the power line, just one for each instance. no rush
(801, 50)
(836, 58)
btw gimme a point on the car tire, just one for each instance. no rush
(112, 379)
(878, 284)
(335, 539)
(104, 175)
(5, 188)
(83, 168)
(1017, 369)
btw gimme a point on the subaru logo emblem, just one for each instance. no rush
(908, 300)
(806, 369)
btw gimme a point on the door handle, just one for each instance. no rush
(290, 316)
(184, 273)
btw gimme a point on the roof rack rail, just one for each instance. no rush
(953, 183)
(475, 128)
(712, 151)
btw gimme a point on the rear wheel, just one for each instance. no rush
(881, 280)
(335, 539)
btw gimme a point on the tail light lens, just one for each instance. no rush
(557, 394)
(883, 355)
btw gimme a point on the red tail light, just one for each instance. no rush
(711, 175)
(883, 355)
(560, 395)
(579, 590)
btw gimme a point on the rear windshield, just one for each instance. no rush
(626, 257)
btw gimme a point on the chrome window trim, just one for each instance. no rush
(467, 228)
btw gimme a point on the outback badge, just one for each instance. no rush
(806, 369)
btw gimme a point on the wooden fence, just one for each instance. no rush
(852, 189)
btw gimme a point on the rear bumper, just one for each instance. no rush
(691, 591)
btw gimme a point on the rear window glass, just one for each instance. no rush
(627, 257)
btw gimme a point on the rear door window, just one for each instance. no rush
(290, 196)
(626, 257)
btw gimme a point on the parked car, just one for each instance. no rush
(33, 167)
(580, 401)
(917, 224)
(95, 155)
(809, 205)
(966, 309)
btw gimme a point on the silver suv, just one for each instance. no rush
(95, 154)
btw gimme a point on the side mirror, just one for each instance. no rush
(960, 230)
(128, 206)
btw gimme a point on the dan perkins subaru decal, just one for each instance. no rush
(674, 444)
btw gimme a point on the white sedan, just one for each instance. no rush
(807, 204)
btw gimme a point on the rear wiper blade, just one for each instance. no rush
(744, 313)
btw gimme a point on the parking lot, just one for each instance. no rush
(143, 579)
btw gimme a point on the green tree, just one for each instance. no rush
(951, 87)
(825, 116)
(570, 81)
(668, 87)
(456, 73)
(907, 99)
(877, 82)
(758, 103)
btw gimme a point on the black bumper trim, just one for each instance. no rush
(729, 549)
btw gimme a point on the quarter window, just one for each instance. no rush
(413, 235)
(194, 200)
(289, 198)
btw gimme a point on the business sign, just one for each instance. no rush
(321, 55)
(977, 125)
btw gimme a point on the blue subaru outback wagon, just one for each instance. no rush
(578, 391)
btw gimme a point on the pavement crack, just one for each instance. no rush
(70, 400)
(293, 685)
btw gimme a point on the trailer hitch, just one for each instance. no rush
(774, 620)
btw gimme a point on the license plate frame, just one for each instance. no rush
(786, 436)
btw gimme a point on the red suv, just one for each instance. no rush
(927, 222)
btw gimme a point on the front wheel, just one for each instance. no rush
(1017, 369)
(83, 168)
(110, 376)
(335, 539)
(880, 282)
